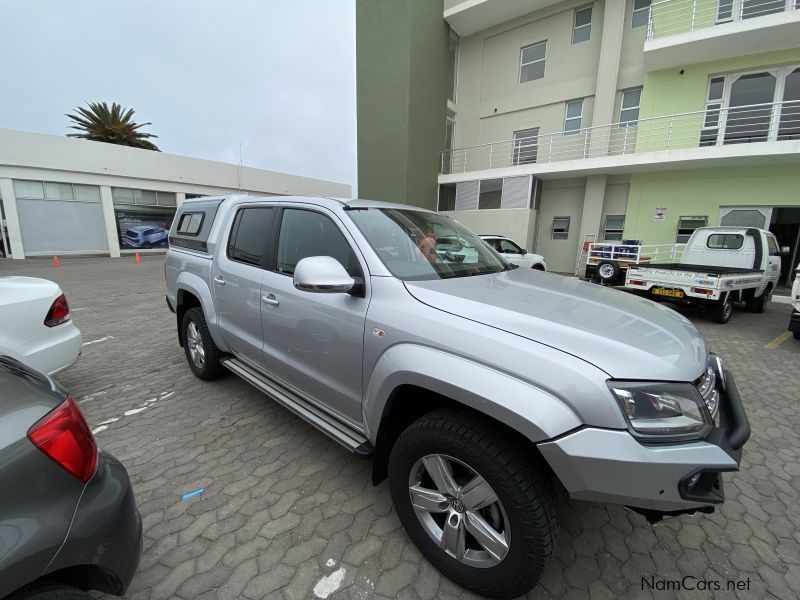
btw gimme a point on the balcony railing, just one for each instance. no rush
(668, 17)
(712, 127)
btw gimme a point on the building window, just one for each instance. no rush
(143, 197)
(641, 13)
(447, 196)
(612, 232)
(572, 117)
(53, 190)
(752, 107)
(560, 228)
(532, 59)
(144, 217)
(452, 65)
(582, 25)
(490, 195)
(526, 145)
(686, 227)
(629, 108)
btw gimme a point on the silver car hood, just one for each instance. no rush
(626, 336)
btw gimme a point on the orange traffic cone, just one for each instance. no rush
(138, 258)
(56, 262)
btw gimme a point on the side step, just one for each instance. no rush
(332, 427)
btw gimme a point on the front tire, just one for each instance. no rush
(758, 305)
(202, 353)
(475, 503)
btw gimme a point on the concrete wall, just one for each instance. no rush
(401, 67)
(701, 192)
(59, 159)
(515, 223)
(21, 149)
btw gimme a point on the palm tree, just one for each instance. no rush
(113, 125)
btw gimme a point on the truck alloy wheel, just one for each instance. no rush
(475, 501)
(202, 353)
(459, 510)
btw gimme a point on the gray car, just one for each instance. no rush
(474, 386)
(68, 519)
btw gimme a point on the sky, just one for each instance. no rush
(276, 76)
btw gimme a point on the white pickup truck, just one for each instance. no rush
(794, 320)
(719, 266)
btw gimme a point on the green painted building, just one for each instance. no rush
(559, 123)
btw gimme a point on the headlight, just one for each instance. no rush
(663, 412)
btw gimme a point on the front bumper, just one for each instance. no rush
(106, 531)
(604, 465)
(794, 322)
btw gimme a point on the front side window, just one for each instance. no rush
(612, 231)
(582, 25)
(532, 59)
(526, 146)
(725, 241)
(686, 227)
(419, 245)
(641, 13)
(508, 247)
(629, 108)
(572, 117)
(249, 234)
(307, 233)
(561, 228)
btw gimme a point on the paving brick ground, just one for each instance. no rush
(286, 510)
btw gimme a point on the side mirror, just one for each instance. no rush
(322, 275)
(524, 252)
(785, 250)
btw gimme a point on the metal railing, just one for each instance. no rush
(669, 17)
(633, 253)
(711, 127)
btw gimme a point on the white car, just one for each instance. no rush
(514, 253)
(35, 324)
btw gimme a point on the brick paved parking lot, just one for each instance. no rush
(287, 513)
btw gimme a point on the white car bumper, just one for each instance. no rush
(58, 349)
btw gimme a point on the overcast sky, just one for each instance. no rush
(276, 75)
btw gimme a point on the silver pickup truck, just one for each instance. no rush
(475, 386)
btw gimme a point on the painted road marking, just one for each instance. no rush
(104, 339)
(778, 340)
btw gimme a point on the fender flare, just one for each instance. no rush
(534, 412)
(195, 285)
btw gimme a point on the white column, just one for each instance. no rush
(592, 214)
(179, 198)
(12, 217)
(110, 221)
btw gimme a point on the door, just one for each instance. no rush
(314, 342)
(773, 266)
(236, 282)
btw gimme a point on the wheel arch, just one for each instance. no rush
(191, 292)
(410, 381)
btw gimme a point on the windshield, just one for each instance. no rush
(417, 245)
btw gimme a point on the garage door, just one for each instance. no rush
(60, 217)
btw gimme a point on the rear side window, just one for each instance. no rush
(725, 241)
(190, 223)
(307, 233)
(773, 246)
(249, 234)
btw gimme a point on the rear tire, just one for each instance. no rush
(758, 305)
(202, 353)
(518, 503)
(51, 592)
(796, 335)
(722, 310)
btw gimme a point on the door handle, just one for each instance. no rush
(219, 281)
(271, 300)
